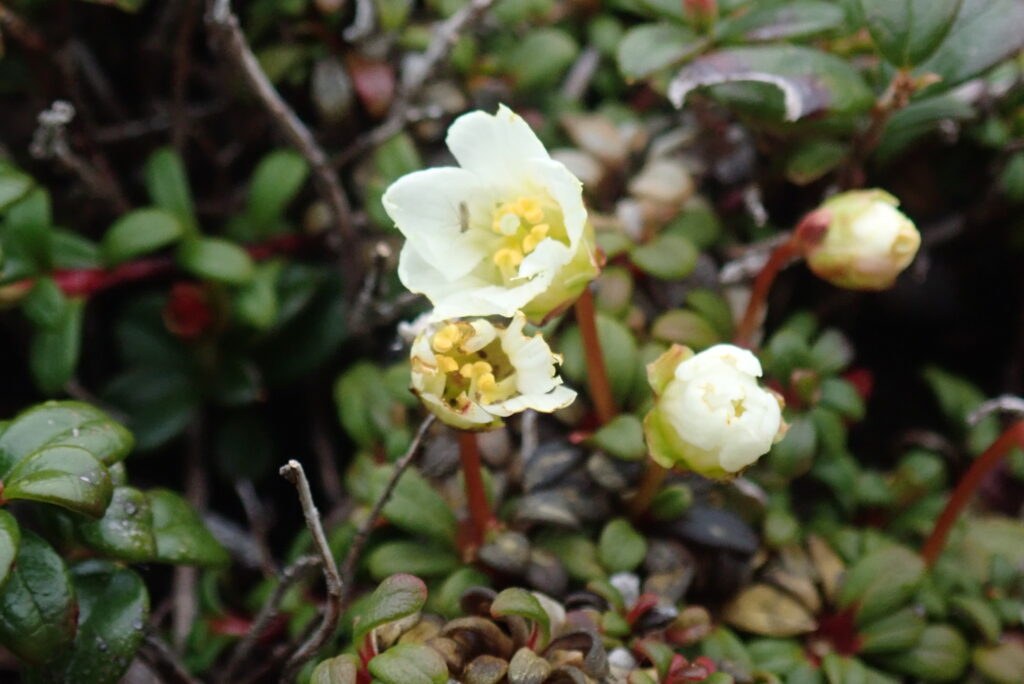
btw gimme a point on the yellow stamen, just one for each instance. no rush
(537, 233)
(487, 386)
(507, 258)
(473, 370)
(446, 363)
(446, 338)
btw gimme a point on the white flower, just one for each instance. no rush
(711, 415)
(505, 231)
(866, 244)
(471, 374)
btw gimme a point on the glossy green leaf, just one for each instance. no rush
(10, 539)
(985, 33)
(891, 633)
(810, 81)
(684, 327)
(516, 601)
(444, 600)
(45, 305)
(343, 669)
(541, 58)
(364, 403)
(37, 603)
(67, 476)
(71, 423)
(71, 250)
(813, 159)
(125, 531)
(27, 231)
(881, 583)
(648, 48)
(577, 552)
(54, 352)
(168, 187)
(908, 31)
(396, 597)
(781, 21)
(667, 256)
(842, 396)
(275, 183)
(940, 655)
(620, 355)
(409, 664)
(979, 615)
(181, 536)
(622, 437)
(256, 303)
(410, 557)
(140, 232)
(415, 506)
(216, 259)
(1001, 664)
(621, 547)
(396, 157)
(113, 608)
(13, 185)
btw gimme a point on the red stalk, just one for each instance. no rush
(759, 294)
(597, 374)
(984, 464)
(480, 517)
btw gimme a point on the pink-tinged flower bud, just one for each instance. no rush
(866, 241)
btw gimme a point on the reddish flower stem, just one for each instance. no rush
(85, 282)
(759, 294)
(983, 465)
(480, 517)
(653, 478)
(597, 373)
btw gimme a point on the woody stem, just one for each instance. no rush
(597, 373)
(653, 478)
(983, 465)
(480, 517)
(759, 294)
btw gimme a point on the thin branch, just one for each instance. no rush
(355, 549)
(257, 517)
(294, 473)
(415, 77)
(289, 576)
(19, 29)
(225, 21)
(165, 661)
(1004, 403)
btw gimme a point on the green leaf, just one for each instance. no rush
(985, 33)
(37, 603)
(617, 346)
(881, 583)
(957, 398)
(10, 538)
(415, 506)
(275, 183)
(891, 633)
(684, 327)
(396, 597)
(622, 548)
(113, 608)
(181, 535)
(810, 81)
(920, 118)
(256, 303)
(140, 232)
(908, 31)
(168, 187)
(622, 437)
(71, 423)
(364, 404)
(71, 250)
(410, 557)
(577, 552)
(781, 21)
(714, 309)
(343, 669)
(1011, 180)
(940, 655)
(409, 664)
(27, 233)
(45, 305)
(648, 48)
(979, 615)
(216, 259)
(813, 159)
(540, 60)
(516, 601)
(125, 531)
(13, 186)
(66, 476)
(667, 256)
(445, 599)
(842, 396)
(53, 355)
(396, 157)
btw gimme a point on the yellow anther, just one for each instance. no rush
(446, 338)
(508, 258)
(537, 233)
(487, 386)
(446, 363)
(529, 209)
(473, 370)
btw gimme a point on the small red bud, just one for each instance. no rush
(187, 313)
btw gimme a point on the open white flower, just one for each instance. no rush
(506, 231)
(867, 243)
(471, 374)
(711, 415)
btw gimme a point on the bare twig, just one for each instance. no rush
(359, 318)
(182, 69)
(257, 517)
(186, 577)
(355, 549)
(225, 21)
(268, 612)
(326, 460)
(362, 23)
(581, 74)
(21, 31)
(415, 77)
(294, 473)
(1004, 403)
(164, 660)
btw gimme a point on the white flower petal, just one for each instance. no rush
(495, 147)
(558, 398)
(567, 190)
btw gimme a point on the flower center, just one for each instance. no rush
(523, 224)
(484, 376)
